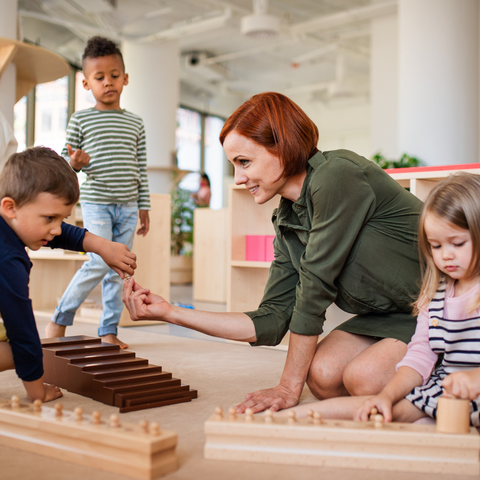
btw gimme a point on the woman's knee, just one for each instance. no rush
(324, 380)
(370, 371)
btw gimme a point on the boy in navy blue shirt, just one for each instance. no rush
(38, 189)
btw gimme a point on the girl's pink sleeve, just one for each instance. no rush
(419, 355)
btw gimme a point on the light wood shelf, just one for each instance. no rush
(246, 280)
(34, 64)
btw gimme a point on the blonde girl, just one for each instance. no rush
(448, 310)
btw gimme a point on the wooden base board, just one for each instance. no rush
(126, 449)
(338, 443)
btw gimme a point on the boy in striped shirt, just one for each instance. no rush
(108, 144)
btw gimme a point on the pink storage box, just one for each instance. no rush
(259, 248)
(269, 255)
(255, 248)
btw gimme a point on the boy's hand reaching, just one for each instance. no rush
(144, 222)
(78, 158)
(464, 385)
(116, 255)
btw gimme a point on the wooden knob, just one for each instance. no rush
(144, 425)
(58, 410)
(78, 414)
(249, 415)
(114, 421)
(155, 429)
(15, 401)
(317, 418)
(232, 414)
(268, 416)
(218, 413)
(37, 405)
(292, 417)
(96, 417)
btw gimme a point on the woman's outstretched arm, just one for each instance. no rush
(144, 305)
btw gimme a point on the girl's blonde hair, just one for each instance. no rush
(456, 200)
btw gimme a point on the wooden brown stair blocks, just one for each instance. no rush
(107, 374)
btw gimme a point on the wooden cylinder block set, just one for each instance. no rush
(375, 445)
(142, 451)
(107, 374)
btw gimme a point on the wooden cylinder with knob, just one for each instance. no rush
(453, 415)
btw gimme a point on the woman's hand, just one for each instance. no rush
(464, 385)
(381, 402)
(144, 305)
(275, 399)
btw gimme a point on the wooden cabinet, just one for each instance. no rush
(246, 280)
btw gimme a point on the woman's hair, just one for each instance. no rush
(275, 122)
(456, 200)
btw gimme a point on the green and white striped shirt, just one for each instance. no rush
(115, 141)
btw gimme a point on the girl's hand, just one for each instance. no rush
(144, 305)
(464, 385)
(381, 402)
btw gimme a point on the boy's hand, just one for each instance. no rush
(78, 158)
(381, 402)
(116, 255)
(464, 385)
(144, 222)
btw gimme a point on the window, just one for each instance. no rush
(51, 107)
(199, 150)
(20, 123)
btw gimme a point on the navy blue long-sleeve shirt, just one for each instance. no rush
(15, 304)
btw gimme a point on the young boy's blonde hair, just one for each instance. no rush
(456, 200)
(37, 170)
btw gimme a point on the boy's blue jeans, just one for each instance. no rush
(116, 222)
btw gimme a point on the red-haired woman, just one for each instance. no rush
(345, 234)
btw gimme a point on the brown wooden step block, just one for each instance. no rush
(63, 360)
(51, 350)
(134, 406)
(81, 374)
(104, 391)
(154, 394)
(104, 372)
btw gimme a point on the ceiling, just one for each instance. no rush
(322, 47)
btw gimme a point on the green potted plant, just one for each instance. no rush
(181, 234)
(405, 161)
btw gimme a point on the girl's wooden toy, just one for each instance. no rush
(140, 451)
(340, 443)
(453, 415)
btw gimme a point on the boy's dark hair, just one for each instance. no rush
(38, 170)
(101, 47)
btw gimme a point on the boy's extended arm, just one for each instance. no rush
(115, 255)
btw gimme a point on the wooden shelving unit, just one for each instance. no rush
(246, 280)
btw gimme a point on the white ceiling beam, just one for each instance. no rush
(337, 20)
(190, 27)
(246, 53)
(77, 28)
